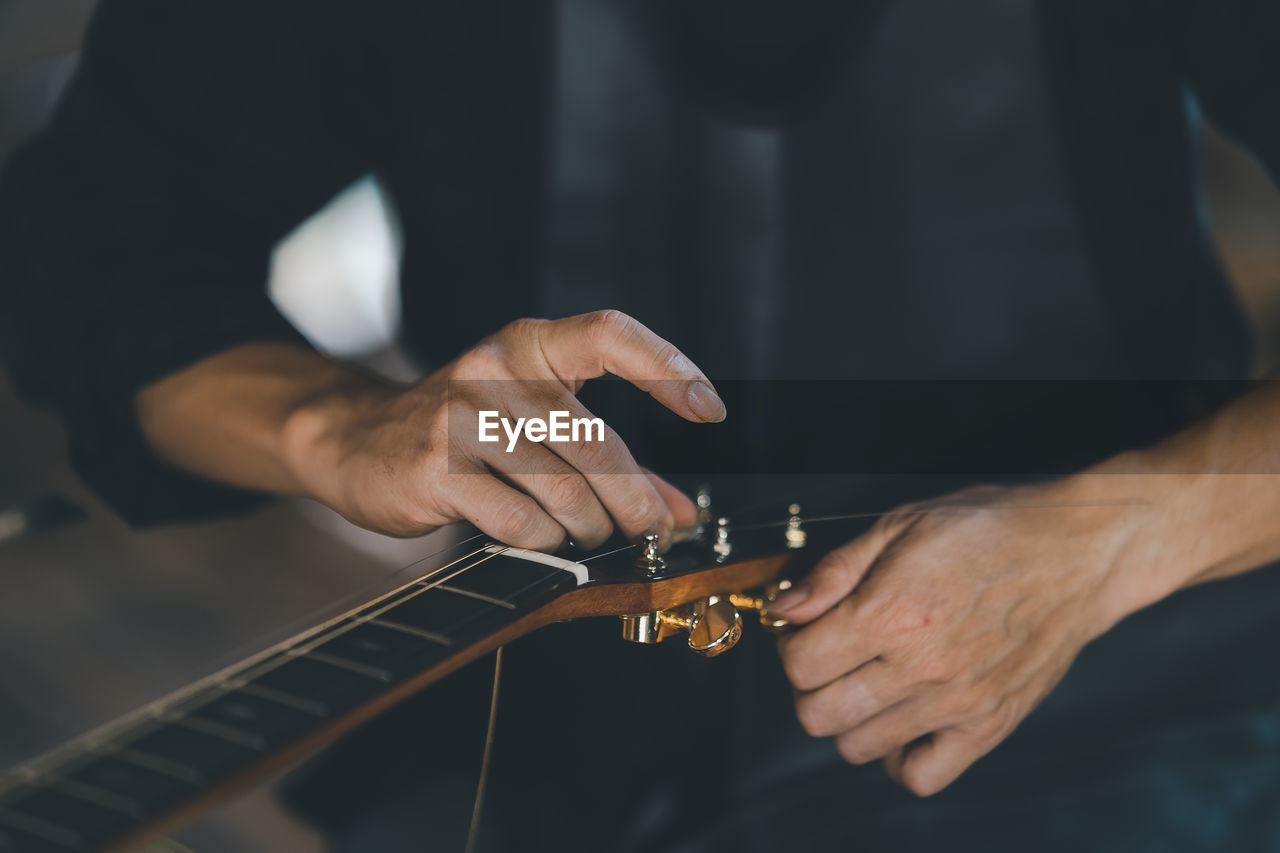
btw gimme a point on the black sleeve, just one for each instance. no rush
(1231, 56)
(136, 229)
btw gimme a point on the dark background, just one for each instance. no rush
(96, 619)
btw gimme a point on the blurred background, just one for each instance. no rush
(96, 619)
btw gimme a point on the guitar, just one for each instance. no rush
(133, 780)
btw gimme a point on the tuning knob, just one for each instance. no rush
(714, 627)
(760, 604)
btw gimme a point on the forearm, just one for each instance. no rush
(232, 417)
(1209, 501)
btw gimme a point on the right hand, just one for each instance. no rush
(385, 458)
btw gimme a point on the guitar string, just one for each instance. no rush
(938, 509)
(123, 730)
(298, 625)
(354, 618)
(486, 758)
(115, 731)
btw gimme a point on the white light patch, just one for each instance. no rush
(337, 276)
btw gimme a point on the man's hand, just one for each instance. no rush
(283, 419)
(929, 638)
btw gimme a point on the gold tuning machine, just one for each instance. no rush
(760, 604)
(713, 625)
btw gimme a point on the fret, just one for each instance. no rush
(220, 730)
(86, 822)
(307, 706)
(479, 596)
(374, 672)
(106, 799)
(151, 790)
(332, 689)
(14, 840)
(409, 629)
(163, 766)
(272, 723)
(24, 834)
(454, 616)
(397, 653)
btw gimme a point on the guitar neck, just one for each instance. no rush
(154, 769)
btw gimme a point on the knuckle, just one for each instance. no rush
(853, 750)
(517, 331)
(797, 670)
(596, 536)
(918, 781)
(599, 457)
(604, 327)
(566, 493)
(1002, 719)
(514, 522)
(486, 360)
(905, 617)
(811, 716)
(643, 511)
(937, 669)
(670, 360)
(957, 705)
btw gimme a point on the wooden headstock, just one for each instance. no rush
(697, 587)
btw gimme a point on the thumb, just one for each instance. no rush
(833, 578)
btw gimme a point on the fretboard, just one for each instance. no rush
(116, 784)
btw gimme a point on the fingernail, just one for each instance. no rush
(789, 600)
(706, 403)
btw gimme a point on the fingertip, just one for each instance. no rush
(705, 403)
(788, 605)
(682, 511)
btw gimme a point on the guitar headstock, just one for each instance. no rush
(699, 586)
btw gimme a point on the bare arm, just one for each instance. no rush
(227, 417)
(282, 419)
(960, 623)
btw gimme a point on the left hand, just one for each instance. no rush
(930, 637)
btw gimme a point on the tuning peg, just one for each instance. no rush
(760, 604)
(649, 559)
(703, 501)
(714, 627)
(722, 546)
(796, 537)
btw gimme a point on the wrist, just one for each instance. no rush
(1145, 515)
(318, 430)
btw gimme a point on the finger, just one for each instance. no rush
(590, 345)
(841, 641)
(850, 701)
(892, 762)
(683, 512)
(932, 765)
(507, 515)
(887, 731)
(562, 492)
(834, 577)
(624, 490)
